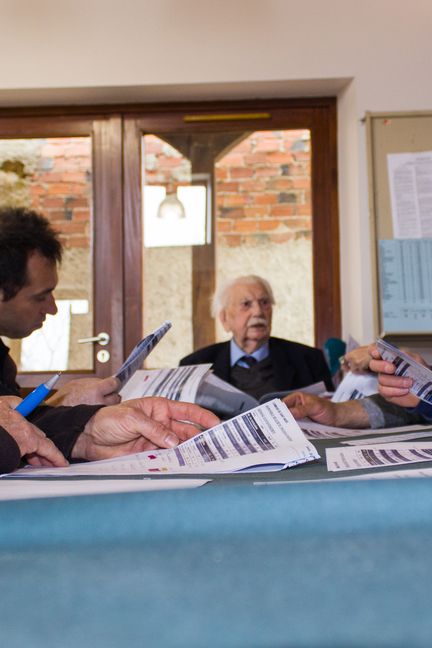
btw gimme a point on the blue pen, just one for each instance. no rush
(36, 397)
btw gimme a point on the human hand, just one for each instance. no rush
(138, 425)
(395, 389)
(349, 414)
(32, 442)
(318, 409)
(87, 391)
(356, 360)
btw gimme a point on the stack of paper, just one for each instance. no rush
(315, 430)
(378, 456)
(264, 439)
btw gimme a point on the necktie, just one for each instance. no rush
(250, 361)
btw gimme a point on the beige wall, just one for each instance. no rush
(374, 55)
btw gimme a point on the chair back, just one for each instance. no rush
(334, 349)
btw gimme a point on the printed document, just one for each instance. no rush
(406, 366)
(266, 438)
(180, 384)
(193, 384)
(140, 352)
(378, 456)
(410, 177)
(419, 433)
(314, 430)
(222, 398)
(354, 386)
(405, 285)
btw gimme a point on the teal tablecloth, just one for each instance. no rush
(317, 565)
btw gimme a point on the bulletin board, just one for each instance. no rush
(399, 159)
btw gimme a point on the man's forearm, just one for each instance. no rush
(382, 413)
(62, 424)
(351, 414)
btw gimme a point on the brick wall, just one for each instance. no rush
(263, 189)
(262, 185)
(52, 176)
(164, 165)
(61, 188)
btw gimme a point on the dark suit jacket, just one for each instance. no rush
(294, 365)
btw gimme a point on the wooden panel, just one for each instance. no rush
(16, 127)
(325, 226)
(133, 238)
(108, 249)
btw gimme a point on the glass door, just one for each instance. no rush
(263, 181)
(69, 170)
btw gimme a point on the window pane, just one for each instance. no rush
(262, 189)
(264, 223)
(54, 176)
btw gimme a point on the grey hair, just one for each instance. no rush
(221, 295)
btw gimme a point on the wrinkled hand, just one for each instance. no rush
(32, 442)
(349, 414)
(356, 360)
(395, 389)
(307, 405)
(87, 391)
(138, 425)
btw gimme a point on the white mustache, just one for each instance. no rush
(257, 321)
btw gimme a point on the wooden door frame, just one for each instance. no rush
(317, 115)
(107, 251)
(116, 131)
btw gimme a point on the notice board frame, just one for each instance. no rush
(391, 132)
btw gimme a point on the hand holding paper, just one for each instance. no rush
(140, 425)
(264, 439)
(140, 353)
(403, 380)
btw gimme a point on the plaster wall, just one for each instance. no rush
(375, 56)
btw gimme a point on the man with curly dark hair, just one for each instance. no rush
(30, 251)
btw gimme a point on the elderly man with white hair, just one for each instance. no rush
(252, 360)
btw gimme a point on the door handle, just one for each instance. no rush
(102, 339)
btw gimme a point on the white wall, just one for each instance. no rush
(375, 54)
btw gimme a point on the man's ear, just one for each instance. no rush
(2, 295)
(223, 319)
